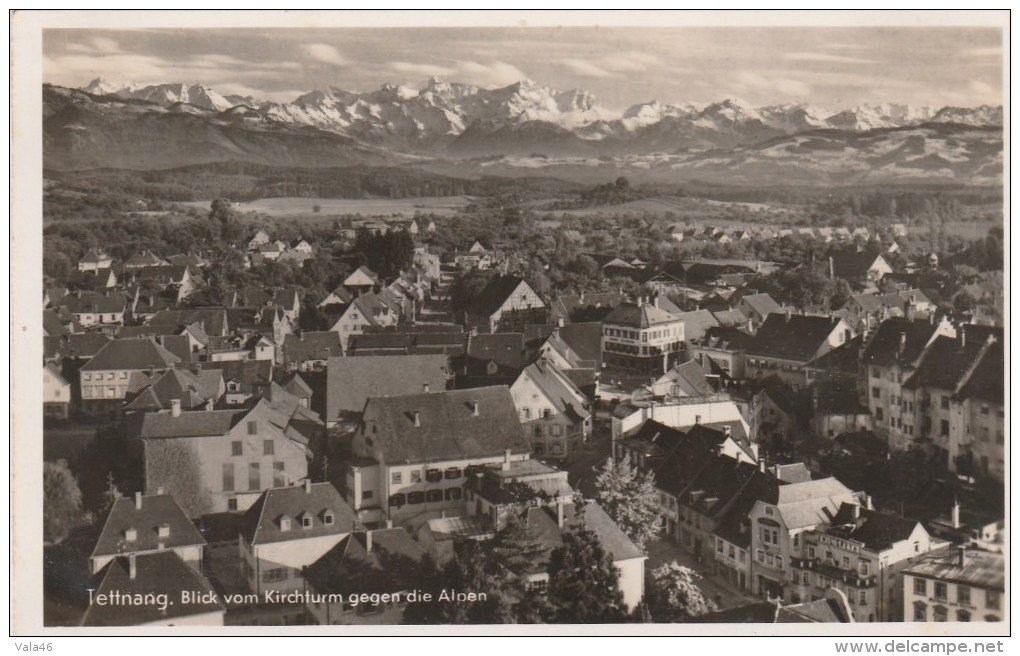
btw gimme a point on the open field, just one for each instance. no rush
(659, 205)
(443, 205)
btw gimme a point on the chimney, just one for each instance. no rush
(132, 567)
(474, 408)
(368, 541)
(417, 418)
(559, 322)
(426, 388)
(389, 523)
(506, 461)
(308, 486)
(963, 336)
(559, 514)
(961, 552)
(175, 408)
(138, 500)
(832, 269)
(955, 516)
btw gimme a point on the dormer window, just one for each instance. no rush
(285, 523)
(163, 530)
(327, 518)
(306, 521)
(130, 535)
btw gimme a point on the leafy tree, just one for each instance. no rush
(584, 586)
(222, 212)
(674, 595)
(174, 466)
(62, 511)
(630, 498)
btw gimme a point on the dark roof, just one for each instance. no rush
(448, 427)
(762, 303)
(505, 349)
(191, 388)
(947, 363)
(311, 345)
(697, 323)
(780, 393)
(791, 337)
(94, 303)
(725, 338)
(254, 376)
(898, 339)
(351, 381)
(198, 423)
(987, 380)
(495, 294)
(638, 316)
(131, 354)
(844, 358)
(875, 530)
(853, 264)
(163, 572)
(350, 568)
(983, 569)
(585, 339)
(213, 320)
(262, 524)
(155, 511)
(75, 345)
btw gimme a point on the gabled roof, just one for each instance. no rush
(728, 338)
(351, 568)
(163, 571)
(505, 349)
(638, 316)
(261, 523)
(198, 423)
(297, 386)
(252, 375)
(75, 345)
(213, 320)
(558, 389)
(93, 256)
(495, 294)
(844, 358)
(853, 264)
(987, 380)
(192, 389)
(145, 258)
(95, 303)
(763, 304)
(689, 377)
(948, 362)
(585, 339)
(447, 426)
(155, 510)
(351, 381)
(792, 337)
(898, 339)
(311, 345)
(983, 569)
(877, 531)
(696, 323)
(136, 354)
(363, 271)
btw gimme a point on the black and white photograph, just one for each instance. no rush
(351, 320)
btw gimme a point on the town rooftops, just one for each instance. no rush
(638, 316)
(311, 345)
(311, 510)
(977, 568)
(724, 338)
(163, 572)
(351, 381)
(191, 389)
(145, 516)
(505, 349)
(251, 376)
(94, 303)
(198, 423)
(697, 323)
(136, 354)
(792, 336)
(558, 389)
(75, 345)
(762, 303)
(949, 363)
(844, 358)
(472, 423)
(854, 265)
(495, 294)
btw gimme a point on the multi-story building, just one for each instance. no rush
(956, 584)
(785, 343)
(724, 347)
(862, 553)
(506, 304)
(552, 410)
(643, 338)
(121, 367)
(56, 393)
(288, 529)
(411, 453)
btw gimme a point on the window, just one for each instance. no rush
(109, 376)
(941, 590)
(253, 427)
(770, 535)
(274, 575)
(111, 392)
(863, 568)
(130, 535)
(415, 498)
(920, 612)
(398, 499)
(862, 598)
(236, 449)
(267, 448)
(254, 476)
(306, 521)
(760, 555)
(452, 473)
(846, 562)
(123, 375)
(228, 477)
(940, 614)
(945, 427)
(963, 595)
(992, 599)
(87, 377)
(962, 616)
(285, 523)
(279, 474)
(433, 496)
(876, 393)
(433, 476)
(416, 477)
(526, 413)
(396, 478)
(367, 494)
(453, 493)
(921, 587)
(945, 402)
(232, 504)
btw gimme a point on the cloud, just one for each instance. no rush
(497, 73)
(422, 70)
(750, 81)
(586, 68)
(236, 88)
(825, 58)
(324, 53)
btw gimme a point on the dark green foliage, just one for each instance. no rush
(584, 586)
(673, 594)
(62, 510)
(386, 254)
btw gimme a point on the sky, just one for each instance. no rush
(828, 67)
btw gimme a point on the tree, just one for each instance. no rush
(62, 510)
(584, 586)
(174, 466)
(630, 498)
(222, 212)
(674, 595)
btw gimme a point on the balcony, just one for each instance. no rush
(834, 571)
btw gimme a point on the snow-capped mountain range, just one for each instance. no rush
(440, 112)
